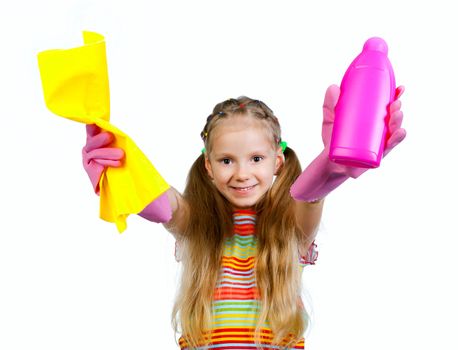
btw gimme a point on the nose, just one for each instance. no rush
(242, 173)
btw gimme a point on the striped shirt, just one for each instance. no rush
(236, 303)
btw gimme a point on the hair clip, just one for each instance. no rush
(242, 105)
(283, 145)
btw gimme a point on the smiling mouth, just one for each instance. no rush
(243, 189)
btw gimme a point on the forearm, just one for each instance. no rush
(309, 217)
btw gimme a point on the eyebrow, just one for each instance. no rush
(230, 155)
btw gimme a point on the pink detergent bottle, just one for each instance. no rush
(360, 125)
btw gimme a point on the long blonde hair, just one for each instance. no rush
(209, 222)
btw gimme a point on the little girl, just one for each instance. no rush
(245, 224)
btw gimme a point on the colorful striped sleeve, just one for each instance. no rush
(311, 256)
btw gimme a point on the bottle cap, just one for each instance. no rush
(376, 44)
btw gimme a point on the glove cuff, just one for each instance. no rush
(158, 210)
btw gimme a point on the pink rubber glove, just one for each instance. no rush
(323, 176)
(96, 157)
(158, 210)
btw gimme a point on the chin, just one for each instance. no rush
(244, 204)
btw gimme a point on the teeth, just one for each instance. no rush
(243, 188)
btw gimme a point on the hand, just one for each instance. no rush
(395, 133)
(96, 157)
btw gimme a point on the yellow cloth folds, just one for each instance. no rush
(75, 86)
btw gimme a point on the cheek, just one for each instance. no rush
(269, 177)
(273, 167)
(221, 174)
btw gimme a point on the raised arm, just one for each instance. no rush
(169, 208)
(323, 176)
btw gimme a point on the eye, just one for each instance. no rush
(257, 159)
(225, 161)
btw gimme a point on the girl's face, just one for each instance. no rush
(242, 161)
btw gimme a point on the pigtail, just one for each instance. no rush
(277, 264)
(202, 241)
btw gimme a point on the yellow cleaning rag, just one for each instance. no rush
(75, 86)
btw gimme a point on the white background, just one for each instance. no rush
(386, 274)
